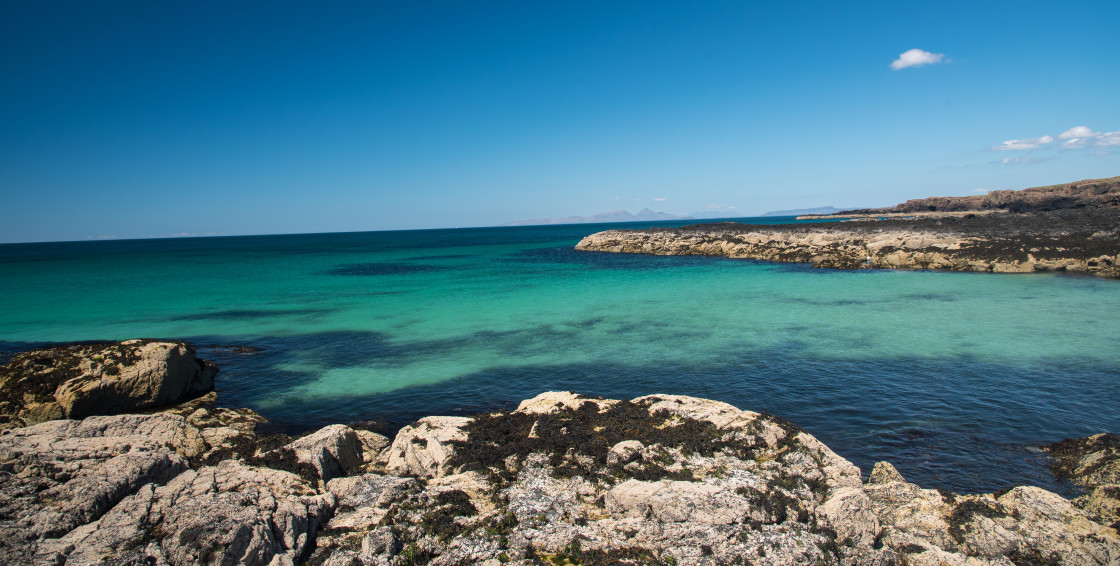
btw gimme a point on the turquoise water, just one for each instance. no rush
(954, 377)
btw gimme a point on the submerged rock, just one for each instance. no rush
(80, 380)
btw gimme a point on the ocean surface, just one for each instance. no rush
(956, 378)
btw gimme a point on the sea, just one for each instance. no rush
(957, 379)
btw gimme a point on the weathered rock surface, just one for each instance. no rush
(1093, 463)
(79, 380)
(564, 479)
(673, 480)
(225, 514)
(59, 475)
(1081, 240)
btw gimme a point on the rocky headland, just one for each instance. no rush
(1066, 228)
(563, 479)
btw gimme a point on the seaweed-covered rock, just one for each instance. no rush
(1078, 239)
(665, 479)
(79, 380)
(564, 479)
(1094, 463)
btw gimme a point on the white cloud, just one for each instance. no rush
(1029, 143)
(916, 58)
(1078, 132)
(659, 199)
(1082, 136)
(1108, 139)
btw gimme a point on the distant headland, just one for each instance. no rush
(1074, 227)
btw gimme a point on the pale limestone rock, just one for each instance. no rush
(61, 475)
(552, 401)
(1050, 525)
(373, 446)
(837, 472)
(163, 373)
(723, 415)
(230, 513)
(422, 449)
(677, 502)
(364, 500)
(848, 512)
(625, 452)
(333, 450)
(883, 473)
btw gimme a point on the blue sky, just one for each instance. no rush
(138, 119)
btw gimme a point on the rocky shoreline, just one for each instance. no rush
(563, 479)
(1071, 228)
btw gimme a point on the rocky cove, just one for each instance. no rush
(1066, 228)
(115, 453)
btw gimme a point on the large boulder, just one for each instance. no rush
(80, 380)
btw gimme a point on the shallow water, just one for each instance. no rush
(953, 377)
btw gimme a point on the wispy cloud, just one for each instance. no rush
(917, 58)
(1074, 138)
(1028, 143)
(659, 199)
(1083, 136)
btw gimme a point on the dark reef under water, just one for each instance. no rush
(944, 423)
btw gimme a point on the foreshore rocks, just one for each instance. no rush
(85, 379)
(1093, 463)
(1074, 240)
(563, 479)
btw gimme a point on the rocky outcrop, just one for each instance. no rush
(1093, 463)
(60, 475)
(79, 380)
(1082, 241)
(564, 479)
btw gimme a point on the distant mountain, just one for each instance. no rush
(643, 215)
(800, 211)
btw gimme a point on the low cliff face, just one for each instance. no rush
(1084, 241)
